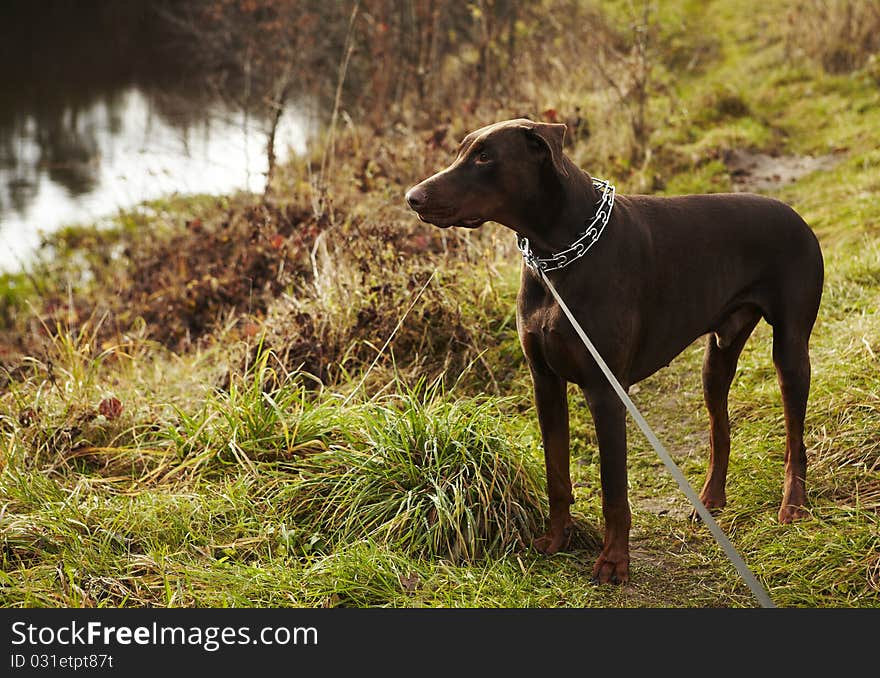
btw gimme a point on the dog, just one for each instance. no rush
(660, 273)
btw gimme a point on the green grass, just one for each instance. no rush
(412, 476)
(433, 477)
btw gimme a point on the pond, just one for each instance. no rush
(94, 119)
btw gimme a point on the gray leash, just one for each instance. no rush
(729, 549)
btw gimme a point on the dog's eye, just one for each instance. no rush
(482, 158)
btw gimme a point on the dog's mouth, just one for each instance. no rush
(471, 223)
(448, 221)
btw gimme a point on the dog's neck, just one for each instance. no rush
(554, 225)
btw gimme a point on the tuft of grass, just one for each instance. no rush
(428, 475)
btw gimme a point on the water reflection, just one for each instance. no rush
(94, 118)
(79, 164)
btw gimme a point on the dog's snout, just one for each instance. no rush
(416, 197)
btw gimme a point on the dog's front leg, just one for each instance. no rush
(551, 400)
(609, 417)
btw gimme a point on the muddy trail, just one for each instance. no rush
(761, 172)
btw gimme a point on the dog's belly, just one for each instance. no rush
(635, 344)
(660, 344)
(645, 364)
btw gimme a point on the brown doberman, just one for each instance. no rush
(665, 271)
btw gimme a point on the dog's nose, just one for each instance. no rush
(416, 197)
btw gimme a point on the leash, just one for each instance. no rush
(729, 549)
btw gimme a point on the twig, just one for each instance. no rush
(327, 157)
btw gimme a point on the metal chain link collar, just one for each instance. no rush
(584, 241)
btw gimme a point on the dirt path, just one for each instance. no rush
(761, 172)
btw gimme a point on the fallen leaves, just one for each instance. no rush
(110, 408)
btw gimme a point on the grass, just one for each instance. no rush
(359, 430)
(435, 478)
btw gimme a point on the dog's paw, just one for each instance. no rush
(611, 568)
(713, 503)
(788, 513)
(550, 543)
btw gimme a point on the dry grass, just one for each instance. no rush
(842, 35)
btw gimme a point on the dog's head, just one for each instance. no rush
(497, 175)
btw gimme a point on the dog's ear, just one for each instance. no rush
(550, 135)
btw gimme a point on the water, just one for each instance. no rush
(111, 156)
(82, 137)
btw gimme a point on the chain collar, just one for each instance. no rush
(584, 241)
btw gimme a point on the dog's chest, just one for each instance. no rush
(547, 337)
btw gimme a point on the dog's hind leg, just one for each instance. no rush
(792, 359)
(719, 366)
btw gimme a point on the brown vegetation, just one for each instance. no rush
(842, 35)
